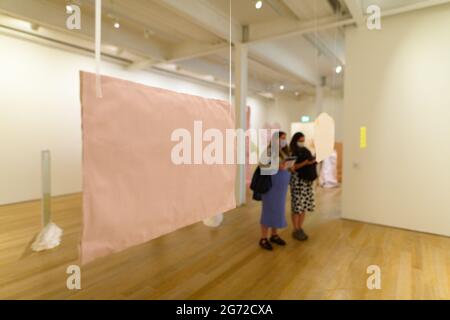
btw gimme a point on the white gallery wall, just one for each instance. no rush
(398, 85)
(40, 109)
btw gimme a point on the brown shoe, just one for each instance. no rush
(276, 239)
(265, 244)
(300, 235)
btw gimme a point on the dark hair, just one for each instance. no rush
(295, 149)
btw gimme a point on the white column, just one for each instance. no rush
(241, 86)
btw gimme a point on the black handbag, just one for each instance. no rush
(260, 185)
(308, 172)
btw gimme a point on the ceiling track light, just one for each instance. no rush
(282, 87)
(339, 69)
(116, 24)
(258, 4)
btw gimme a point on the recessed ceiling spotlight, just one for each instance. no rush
(282, 87)
(258, 4)
(69, 8)
(339, 69)
(116, 24)
(297, 94)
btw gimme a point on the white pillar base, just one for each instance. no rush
(48, 238)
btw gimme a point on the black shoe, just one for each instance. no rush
(276, 239)
(300, 235)
(265, 244)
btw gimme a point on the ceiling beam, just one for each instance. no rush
(328, 47)
(281, 9)
(268, 67)
(159, 21)
(300, 9)
(282, 29)
(182, 52)
(281, 65)
(206, 15)
(54, 16)
(356, 10)
(186, 51)
(142, 64)
(54, 39)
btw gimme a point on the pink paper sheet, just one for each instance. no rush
(132, 192)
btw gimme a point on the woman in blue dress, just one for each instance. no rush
(273, 215)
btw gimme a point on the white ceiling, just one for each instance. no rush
(290, 41)
(244, 10)
(390, 4)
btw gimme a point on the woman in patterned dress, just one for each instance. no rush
(303, 175)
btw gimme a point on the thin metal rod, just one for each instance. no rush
(46, 187)
(98, 46)
(230, 92)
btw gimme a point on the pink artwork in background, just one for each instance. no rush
(248, 146)
(132, 191)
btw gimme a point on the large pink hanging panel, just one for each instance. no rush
(132, 190)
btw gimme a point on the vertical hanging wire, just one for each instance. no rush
(98, 48)
(230, 94)
(338, 62)
(46, 187)
(317, 59)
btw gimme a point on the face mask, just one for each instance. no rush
(300, 144)
(283, 144)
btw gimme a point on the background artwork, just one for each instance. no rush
(328, 177)
(248, 149)
(324, 136)
(320, 140)
(132, 191)
(319, 135)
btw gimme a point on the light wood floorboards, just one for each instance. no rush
(226, 263)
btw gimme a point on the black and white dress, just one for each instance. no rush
(302, 192)
(302, 195)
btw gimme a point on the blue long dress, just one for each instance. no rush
(274, 202)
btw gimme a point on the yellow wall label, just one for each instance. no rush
(363, 138)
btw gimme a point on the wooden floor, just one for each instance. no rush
(226, 263)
